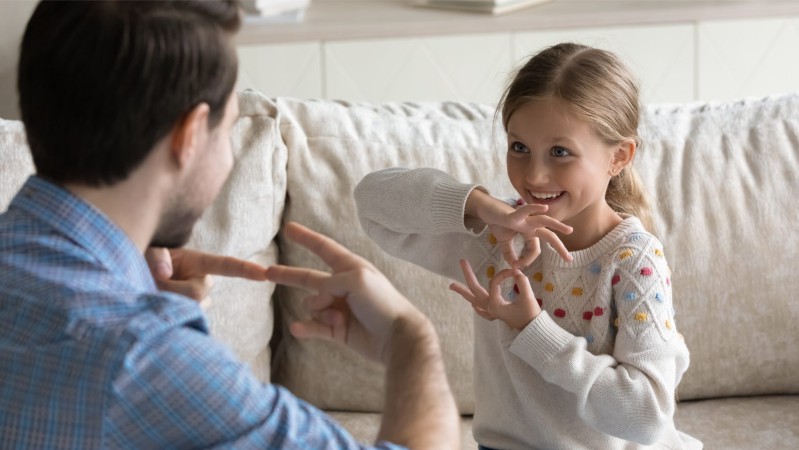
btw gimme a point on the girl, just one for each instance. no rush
(585, 353)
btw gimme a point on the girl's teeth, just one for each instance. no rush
(545, 196)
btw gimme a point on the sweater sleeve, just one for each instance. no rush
(631, 392)
(418, 215)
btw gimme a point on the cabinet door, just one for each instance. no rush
(662, 57)
(437, 68)
(281, 70)
(748, 58)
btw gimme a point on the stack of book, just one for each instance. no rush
(275, 11)
(482, 6)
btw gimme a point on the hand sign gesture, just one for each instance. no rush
(529, 221)
(355, 305)
(491, 305)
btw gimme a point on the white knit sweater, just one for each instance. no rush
(598, 368)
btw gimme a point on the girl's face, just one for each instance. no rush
(556, 159)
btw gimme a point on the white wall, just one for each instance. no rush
(14, 15)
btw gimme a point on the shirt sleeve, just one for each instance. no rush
(631, 392)
(418, 215)
(182, 389)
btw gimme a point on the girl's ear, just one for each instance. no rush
(188, 134)
(622, 156)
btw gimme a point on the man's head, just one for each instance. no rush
(101, 82)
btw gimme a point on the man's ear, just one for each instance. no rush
(188, 133)
(622, 156)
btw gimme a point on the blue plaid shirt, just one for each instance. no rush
(93, 356)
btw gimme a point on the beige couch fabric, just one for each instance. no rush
(243, 222)
(724, 177)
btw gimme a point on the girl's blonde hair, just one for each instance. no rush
(601, 91)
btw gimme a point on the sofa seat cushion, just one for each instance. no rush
(742, 422)
(365, 426)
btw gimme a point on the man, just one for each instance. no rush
(128, 108)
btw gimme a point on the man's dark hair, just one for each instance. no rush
(101, 82)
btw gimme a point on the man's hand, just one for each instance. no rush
(355, 305)
(188, 272)
(491, 305)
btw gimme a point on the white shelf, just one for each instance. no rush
(327, 20)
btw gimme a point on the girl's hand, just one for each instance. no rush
(529, 221)
(491, 305)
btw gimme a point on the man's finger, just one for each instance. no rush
(194, 288)
(297, 277)
(227, 266)
(160, 262)
(331, 252)
(311, 329)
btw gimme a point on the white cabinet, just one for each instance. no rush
(703, 60)
(747, 58)
(661, 56)
(460, 67)
(288, 70)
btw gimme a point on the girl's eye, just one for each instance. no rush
(560, 152)
(518, 147)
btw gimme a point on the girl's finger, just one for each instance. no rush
(509, 253)
(471, 279)
(495, 300)
(542, 221)
(531, 251)
(483, 313)
(523, 283)
(555, 242)
(464, 292)
(527, 210)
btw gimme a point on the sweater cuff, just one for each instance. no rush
(449, 205)
(540, 341)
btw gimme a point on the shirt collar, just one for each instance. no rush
(87, 226)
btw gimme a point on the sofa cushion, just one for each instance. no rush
(242, 222)
(16, 164)
(724, 177)
(742, 422)
(731, 423)
(332, 145)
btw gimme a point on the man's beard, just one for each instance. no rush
(175, 227)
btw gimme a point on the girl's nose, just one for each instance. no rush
(537, 174)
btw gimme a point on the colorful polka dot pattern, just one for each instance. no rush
(632, 282)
